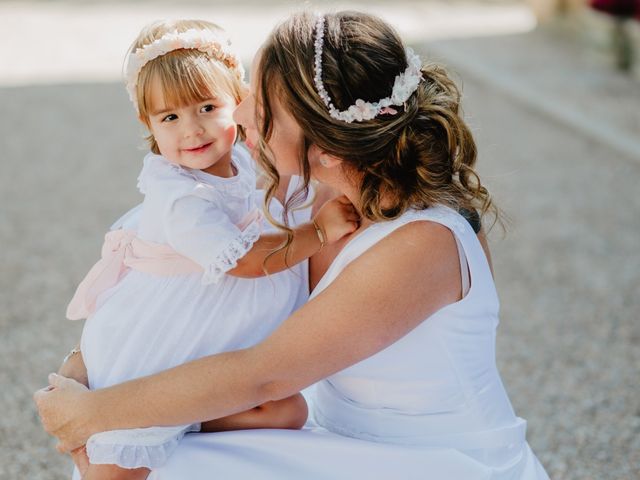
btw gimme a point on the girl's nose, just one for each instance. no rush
(193, 129)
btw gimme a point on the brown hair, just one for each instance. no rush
(422, 156)
(185, 75)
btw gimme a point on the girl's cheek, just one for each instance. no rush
(230, 133)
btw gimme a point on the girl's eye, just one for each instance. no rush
(207, 108)
(169, 118)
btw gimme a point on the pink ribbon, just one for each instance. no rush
(123, 250)
(388, 111)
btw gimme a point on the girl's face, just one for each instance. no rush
(198, 135)
(286, 135)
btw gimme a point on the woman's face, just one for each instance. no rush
(286, 136)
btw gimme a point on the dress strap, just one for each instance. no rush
(464, 269)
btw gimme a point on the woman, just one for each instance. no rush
(399, 332)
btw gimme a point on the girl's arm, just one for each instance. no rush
(380, 297)
(73, 367)
(335, 219)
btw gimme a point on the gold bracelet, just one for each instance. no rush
(70, 354)
(320, 233)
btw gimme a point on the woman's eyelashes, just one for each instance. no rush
(169, 118)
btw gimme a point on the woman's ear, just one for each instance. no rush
(329, 161)
(317, 155)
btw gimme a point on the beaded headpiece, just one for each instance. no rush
(403, 87)
(215, 46)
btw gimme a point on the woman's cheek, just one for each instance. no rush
(230, 133)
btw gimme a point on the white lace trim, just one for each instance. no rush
(228, 258)
(136, 448)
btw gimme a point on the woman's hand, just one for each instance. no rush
(64, 409)
(337, 218)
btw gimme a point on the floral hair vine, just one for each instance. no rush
(403, 87)
(205, 41)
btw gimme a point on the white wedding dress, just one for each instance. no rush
(430, 406)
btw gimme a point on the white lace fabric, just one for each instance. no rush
(211, 220)
(138, 447)
(234, 251)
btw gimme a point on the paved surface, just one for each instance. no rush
(567, 269)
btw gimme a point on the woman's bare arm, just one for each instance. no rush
(378, 298)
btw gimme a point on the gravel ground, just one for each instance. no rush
(567, 269)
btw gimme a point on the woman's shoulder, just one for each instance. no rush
(428, 245)
(417, 234)
(438, 214)
(419, 225)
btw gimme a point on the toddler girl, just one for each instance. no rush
(185, 283)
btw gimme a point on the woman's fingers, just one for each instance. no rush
(56, 380)
(57, 404)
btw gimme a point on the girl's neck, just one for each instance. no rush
(222, 168)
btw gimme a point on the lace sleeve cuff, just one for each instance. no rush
(138, 447)
(235, 250)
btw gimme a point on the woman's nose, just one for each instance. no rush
(240, 113)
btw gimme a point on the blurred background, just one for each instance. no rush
(552, 93)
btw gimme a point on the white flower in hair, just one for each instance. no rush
(214, 45)
(403, 87)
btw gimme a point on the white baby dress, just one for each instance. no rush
(148, 322)
(429, 406)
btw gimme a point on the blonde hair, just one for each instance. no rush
(186, 75)
(420, 157)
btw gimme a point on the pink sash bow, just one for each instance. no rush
(123, 250)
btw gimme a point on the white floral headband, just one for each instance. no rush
(405, 84)
(205, 41)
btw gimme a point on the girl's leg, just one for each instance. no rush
(290, 413)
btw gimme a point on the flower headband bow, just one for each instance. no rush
(403, 87)
(206, 41)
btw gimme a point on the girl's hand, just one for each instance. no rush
(65, 412)
(337, 218)
(75, 368)
(81, 460)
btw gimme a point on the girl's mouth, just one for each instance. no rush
(200, 149)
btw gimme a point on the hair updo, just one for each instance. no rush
(422, 156)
